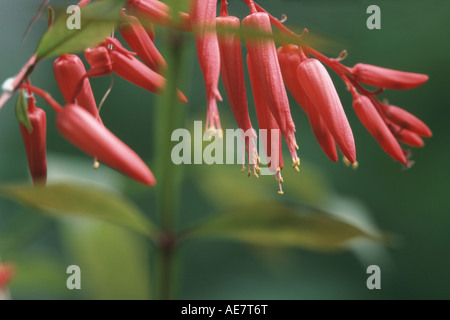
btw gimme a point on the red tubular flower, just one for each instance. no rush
(233, 78)
(406, 120)
(139, 41)
(7, 271)
(133, 70)
(264, 59)
(80, 128)
(159, 13)
(266, 121)
(289, 59)
(69, 71)
(35, 143)
(387, 78)
(122, 62)
(406, 136)
(203, 19)
(375, 124)
(320, 89)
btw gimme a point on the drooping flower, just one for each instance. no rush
(289, 59)
(263, 56)
(406, 120)
(81, 129)
(69, 72)
(320, 89)
(159, 13)
(406, 136)
(139, 41)
(233, 78)
(387, 78)
(35, 143)
(203, 21)
(374, 123)
(268, 126)
(123, 63)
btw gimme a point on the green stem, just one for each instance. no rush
(170, 116)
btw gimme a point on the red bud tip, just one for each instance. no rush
(406, 120)
(320, 89)
(35, 143)
(69, 71)
(7, 271)
(387, 78)
(81, 129)
(289, 58)
(375, 124)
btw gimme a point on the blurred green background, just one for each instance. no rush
(412, 205)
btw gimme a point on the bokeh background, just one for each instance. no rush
(413, 205)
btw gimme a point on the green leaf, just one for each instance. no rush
(81, 200)
(97, 22)
(275, 224)
(225, 185)
(22, 111)
(114, 263)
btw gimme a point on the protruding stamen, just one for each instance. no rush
(346, 161)
(96, 164)
(355, 165)
(296, 164)
(280, 180)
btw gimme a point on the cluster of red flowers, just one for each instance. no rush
(294, 65)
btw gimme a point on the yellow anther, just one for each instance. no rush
(258, 170)
(346, 161)
(296, 169)
(243, 169)
(281, 180)
(278, 169)
(96, 164)
(296, 146)
(255, 175)
(355, 165)
(258, 160)
(280, 192)
(249, 174)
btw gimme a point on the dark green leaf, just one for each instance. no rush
(81, 200)
(97, 22)
(22, 111)
(274, 224)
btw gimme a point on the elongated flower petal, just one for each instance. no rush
(320, 89)
(159, 13)
(289, 60)
(233, 78)
(387, 78)
(203, 21)
(264, 59)
(81, 129)
(133, 70)
(375, 124)
(266, 121)
(35, 143)
(69, 71)
(406, 120)
(139, 41)
(407, 137)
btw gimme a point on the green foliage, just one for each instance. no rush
(22, 111)
(81, 200)
(114, 262)
(278, 224)
(97, 22)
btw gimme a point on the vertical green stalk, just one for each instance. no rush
(170, 116)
